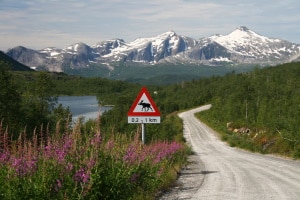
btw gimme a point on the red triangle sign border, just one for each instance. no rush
(136, 101)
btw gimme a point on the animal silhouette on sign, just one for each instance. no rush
(146, 106)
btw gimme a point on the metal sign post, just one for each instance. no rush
(143, 133)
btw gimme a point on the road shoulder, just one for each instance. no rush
(188, 182)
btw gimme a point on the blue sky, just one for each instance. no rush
(38, 24)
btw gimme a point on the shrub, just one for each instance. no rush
(84, 166)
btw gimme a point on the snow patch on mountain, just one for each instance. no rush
(242, 36)
(240, 46)
(254, 47)
(151, 49)
(246, 42)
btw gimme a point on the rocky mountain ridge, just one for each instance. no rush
(240, 46)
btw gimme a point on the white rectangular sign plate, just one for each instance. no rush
(143, 119)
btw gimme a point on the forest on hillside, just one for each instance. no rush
(263, 100)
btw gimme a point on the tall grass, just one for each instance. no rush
(73, 165)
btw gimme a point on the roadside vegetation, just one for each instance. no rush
(257, 110)
(45, 156)
(86, 165)
(42, 156)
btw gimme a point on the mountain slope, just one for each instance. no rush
(242, 46)
(12, 64)
(151, 49)
(249, 46)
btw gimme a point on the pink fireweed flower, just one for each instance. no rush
(58, 151)
(97, 139)
(91, 163)
(110, 145)
(81, 176)
(48, 152)
(23, 166)
(131, 155)
(69, 167)
(67, 143)
(4, 157)
(163, 150)
(159, 157)
(60, 155)
(57, 185)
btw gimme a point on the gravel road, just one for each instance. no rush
(218, 171)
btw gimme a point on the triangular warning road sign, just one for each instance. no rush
(143, 105)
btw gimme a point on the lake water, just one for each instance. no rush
(82, 106)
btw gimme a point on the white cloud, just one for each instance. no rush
(60, 23)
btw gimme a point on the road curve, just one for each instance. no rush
(230, 173)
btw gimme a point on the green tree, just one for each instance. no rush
(10, 99)
(62, 117)
(39, 103)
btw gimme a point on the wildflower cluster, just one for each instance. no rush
(73, 165)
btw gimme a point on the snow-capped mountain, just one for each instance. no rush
(248, 46)
(151, 49)
(105, 47)
(240, 46)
